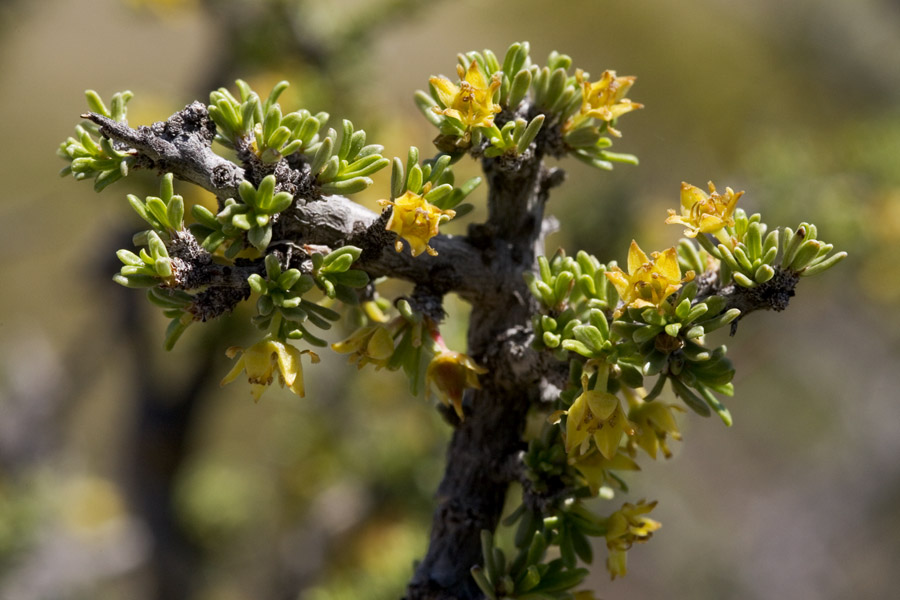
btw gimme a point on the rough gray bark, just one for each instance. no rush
(485, 267)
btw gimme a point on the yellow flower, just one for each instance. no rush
(415, 220)
(262, 359)
(472, 102)
(449, 374)
(625, 527)
(604, 99)
(595, 468)
(598, 415)
(371, 344)
(705, 213)
(654, 422)
(648, 282)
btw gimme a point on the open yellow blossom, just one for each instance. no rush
(598, 415)
(372, 344)
(705, 213)
(604, 99)
(648, 282)
(263, 359)
(654, 422)
(416, 221)
(625, 527)
(472, 101)
(449, 374)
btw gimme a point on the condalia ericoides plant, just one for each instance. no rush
(582, 347)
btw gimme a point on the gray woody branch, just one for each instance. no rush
(182, 145)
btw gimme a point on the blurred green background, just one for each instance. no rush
(126, 473)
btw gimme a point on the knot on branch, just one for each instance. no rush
(191, 122)
(189, 261)
(775, 294)
(216, 301)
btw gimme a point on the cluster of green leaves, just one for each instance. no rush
(281, 306)
(274, 134)
(529, 576)
(433, 180)
(261, 126)
(91, 155)
(576, 298)
(152, 266)
(413, 347)
(251, 216)
(344, 168)
(164, 213)
(754, 255)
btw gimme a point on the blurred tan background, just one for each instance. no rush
(126, 473)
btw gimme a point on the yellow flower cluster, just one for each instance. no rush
(472, 101)
(705, 213)
(648, 281)
(415, 220)
(263, 359)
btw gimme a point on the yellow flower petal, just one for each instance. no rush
(667, 265)
(602, 404)
(636, 258)
(576, 426)
(446, 90)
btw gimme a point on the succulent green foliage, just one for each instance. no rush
(588, 144)
(570, 287)
(93, 156)
(235, 118)
(281, 305)
(165, 213)
(669, 344)
(554, 91)
(270, 133)
(517, 75)
(433, 179)
(753, 256)
(252, 216)
(514, 138)
(335, 277)
(344, 168)
(147, 268)
(412, 347)
(804, 254)
(175, 305)
(576, 299)
(529, 576)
